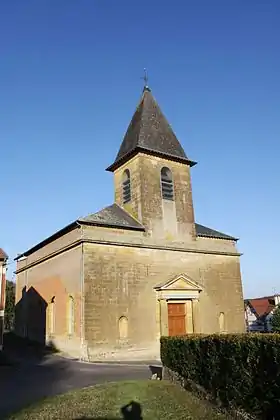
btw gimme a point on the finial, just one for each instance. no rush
(145, 78)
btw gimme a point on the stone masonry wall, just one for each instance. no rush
(58, 277)
(51, 248)
(134, 238)
(146, 202)
(119, 281)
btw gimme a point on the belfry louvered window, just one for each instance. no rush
(126, 189)
(167, 184)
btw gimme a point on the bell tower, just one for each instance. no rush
(152, 174)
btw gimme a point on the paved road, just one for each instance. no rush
(35, 380)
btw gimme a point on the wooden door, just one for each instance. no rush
(176, 319)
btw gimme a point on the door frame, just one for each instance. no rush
(181, 289)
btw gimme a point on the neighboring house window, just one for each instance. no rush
(166, 184)
(123, 327)
(71, 315)
(126, 188)
(52, 315)
(222, 322)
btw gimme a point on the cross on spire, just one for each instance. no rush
(145, 78)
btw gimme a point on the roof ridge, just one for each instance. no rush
(262, 297)
(98, 211)
(113, 216)
(141, 115)
(123, 209)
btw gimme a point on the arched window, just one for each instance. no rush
(123, 327)
(70, 317)
(52, 315)
(222, 322)
(166, 184)
(126, 189)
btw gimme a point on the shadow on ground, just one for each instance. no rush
(38, 374)
(131, 411)
(32, 372)
(15, 345)
(5, 360)
(24, 360)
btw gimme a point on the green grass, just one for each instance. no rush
(158, 400)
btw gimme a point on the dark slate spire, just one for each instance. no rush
(149, 132)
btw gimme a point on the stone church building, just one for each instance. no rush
(108, 285)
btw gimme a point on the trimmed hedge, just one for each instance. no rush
(238, 370)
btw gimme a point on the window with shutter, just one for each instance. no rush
(167, 184)
(126, 188)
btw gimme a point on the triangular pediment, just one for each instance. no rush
(181, 282)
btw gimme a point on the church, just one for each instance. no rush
(110, 284)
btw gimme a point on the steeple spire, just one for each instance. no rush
(150, 133)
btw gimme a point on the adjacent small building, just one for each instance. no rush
(3, 262)
(258, 313)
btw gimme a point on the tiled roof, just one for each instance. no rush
(3, 255)
(149, 132)
(113, 216)
(211, 233)
(261, 306)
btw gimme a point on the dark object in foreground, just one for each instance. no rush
(132, 411)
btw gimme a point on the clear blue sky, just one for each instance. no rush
(69, 83)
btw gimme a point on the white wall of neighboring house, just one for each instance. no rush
(277, 299)
(252, 322)
(268, 321)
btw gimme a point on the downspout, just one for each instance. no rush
(2, 301)
(82, 310)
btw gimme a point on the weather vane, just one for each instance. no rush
(145, 78)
